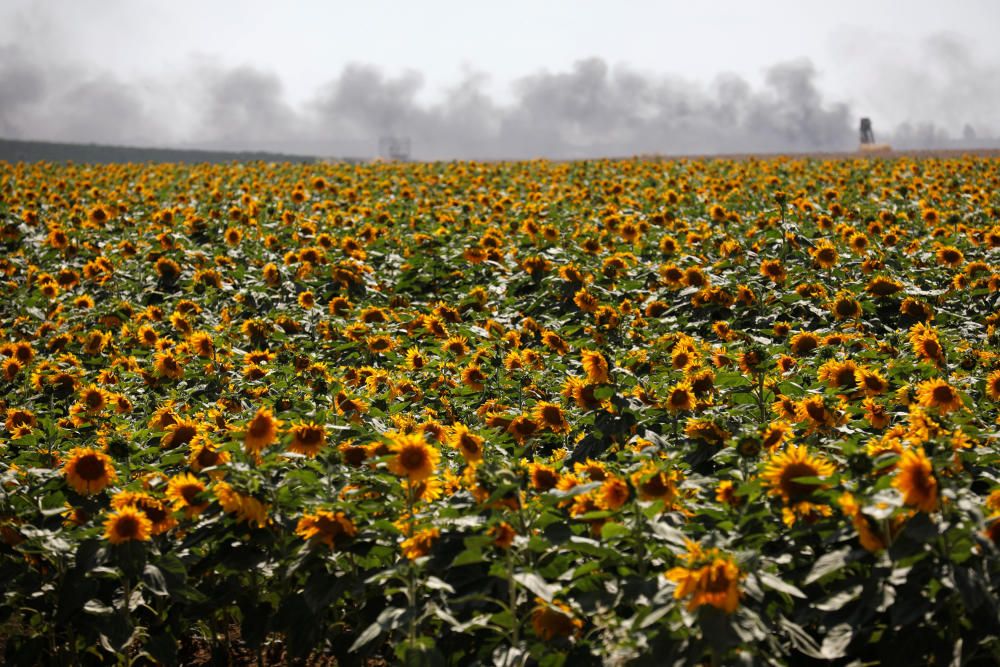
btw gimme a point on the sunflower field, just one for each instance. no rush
(603, 412)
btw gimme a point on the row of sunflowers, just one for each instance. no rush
(621, 412)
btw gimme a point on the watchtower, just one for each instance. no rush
(867, 134)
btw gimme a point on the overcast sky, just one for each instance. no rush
(514, 79)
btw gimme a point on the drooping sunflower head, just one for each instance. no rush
(551, 416)
(329, 528)
(555, 619)
(307, 439)
(595, 366)
(467, 442)
(709, 577)
(543, 477)
(915, 479)
(181, 432)
(614, 493)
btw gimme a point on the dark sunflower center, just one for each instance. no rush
(552, 415)
(816, 411)
(260, 427)
(189, 493)
(943, 395)
(127, 526)
(413, 458)
(90, 467)
(469, 444)
(797, 490)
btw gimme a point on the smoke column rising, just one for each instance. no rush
(590, 110)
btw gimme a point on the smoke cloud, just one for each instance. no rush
(592, 109)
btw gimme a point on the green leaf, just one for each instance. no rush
(612, 530)
(827, 564)
(536, 585)
(837, 640)
(777, 584)
(386, 621)
(97, 608)
(435, 584)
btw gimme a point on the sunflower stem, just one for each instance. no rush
(515, 635)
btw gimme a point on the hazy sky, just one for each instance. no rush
(518, 78)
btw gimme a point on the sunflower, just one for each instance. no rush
(554, 342)
(89, 470)
(993, 385)
(949, 256)
(154, 509)
(937, 393)
(715, 583)
(503, 535)
(350, 407)
(126, 525)
(875, 413)
(420, 543)
(883, 286)
(245, 507)
(614, 493)
(412, 457)
(824, 254)
(551, 416)
(11, 368)
(871, 381)
(652, 484)
(815, 411)
(869, 537)
(680, 397)
(596, 471)
(522, 428)
(543, 477)
(168, 269)
(474, 378)
(181, 432)
(775, 434)
(773, 270)
(468, 443)
(93, 398)
(803, 343)
(554, 619)
(596, 366)
(261, 431)
(352, 454)
(915, 479)
(203, 454)
(845, 307)
(167, 365)
(307, 439)
(329, 528)
(838, 374)
(783, 468)
(183, 490)
(925, 342)
(725, 493)
(20, 422)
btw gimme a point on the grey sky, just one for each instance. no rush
(517, 79)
